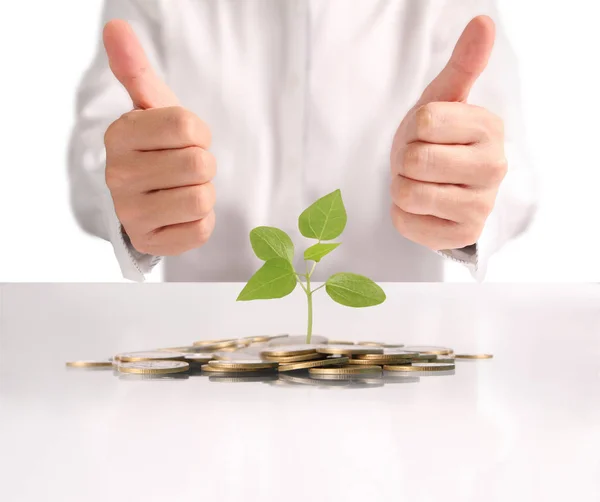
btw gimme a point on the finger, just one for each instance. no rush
(149, 171)
(468, 61)
(449, 202)
(130, 65)
(447, 123)
(177, 205)
(430, 231)
(472, 166)
(174, 240)
(158, 129)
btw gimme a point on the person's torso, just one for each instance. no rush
(302, 97)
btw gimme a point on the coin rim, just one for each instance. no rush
(398, 368)
(346, 370)
(313, 364)
(153, 371)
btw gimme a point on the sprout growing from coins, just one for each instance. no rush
(324, 220)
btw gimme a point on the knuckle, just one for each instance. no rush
(200, 232)
(114, 134)
(467, 235)
(202, 200)
(497, 169)
(425, 120)
(200, 163)
(184, 122)
(142, 243)
(415, 158)
(483, 205)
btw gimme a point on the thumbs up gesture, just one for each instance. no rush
(447, 158)
(158, 168)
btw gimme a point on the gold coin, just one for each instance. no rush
(340, 342)
(421, 367)
(290, 350)
(345, 370)
(429, 349)
(294, 359)
(381, 344)
(154, 367)
(423, 358)
(397, 356)
(150, 355)
(238, 355)
(90, 364)
(349, 350)
(240, 379)
(443, 359)
(215, 344)
(199, 358)
(244, 364)
(186, 349)
(332, 361)
(363, 362)
(304, 380)
(233, 371)
(474, 356)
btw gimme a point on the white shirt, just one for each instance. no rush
(302, 97)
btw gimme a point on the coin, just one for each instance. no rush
(296, 340)
(416, 358)
(240, 379)
(290, 350)
(242, 354)
(150, 355)
(344, 370)
(388, 358)
(474, 356)
(215, 344)
(383, 345)
(188, 349)
(429, 349)
(349, 350)
(244, 364)
(233, 371)
(294, 359)
(307, 380)
(313, 364)
(199, 358)
(154, 367)
(90, 364)
(420, 367)
(340, 342)
(377, 362)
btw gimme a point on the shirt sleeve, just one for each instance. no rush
(497, 90)
(100, 101)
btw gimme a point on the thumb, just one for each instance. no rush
(130, 65)
(469, 59)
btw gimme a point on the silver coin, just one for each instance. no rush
(150, 355)
(349, 349)
(154, 367)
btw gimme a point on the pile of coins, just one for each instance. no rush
(283, 360)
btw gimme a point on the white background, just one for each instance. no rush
(45, 47)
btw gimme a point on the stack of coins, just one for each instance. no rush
(284, 360)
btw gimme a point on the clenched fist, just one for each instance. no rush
(447, 158)
(158, 167)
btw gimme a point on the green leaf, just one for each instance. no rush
(318, 251)
(354, 290)
(270, 242)
(325, 219)
(275, 279)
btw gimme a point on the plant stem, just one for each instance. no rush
(317, 289)
(310, 310)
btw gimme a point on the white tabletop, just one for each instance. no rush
(523, 426)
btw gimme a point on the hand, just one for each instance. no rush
(447, 158)
(158, 168)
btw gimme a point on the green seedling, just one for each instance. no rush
(324, 220)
